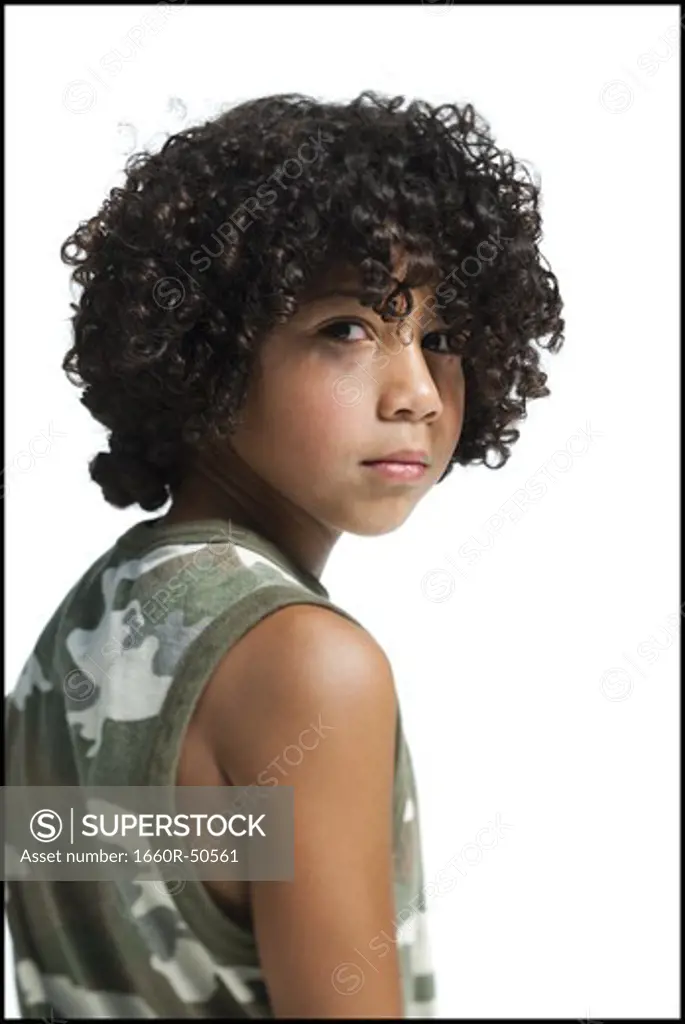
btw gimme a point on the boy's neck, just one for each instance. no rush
(201, 496)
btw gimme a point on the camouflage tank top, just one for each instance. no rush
(145, 627)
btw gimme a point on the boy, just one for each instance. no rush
(202, 648)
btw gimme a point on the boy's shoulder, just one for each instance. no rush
(301, 667)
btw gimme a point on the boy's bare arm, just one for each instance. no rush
(307, 679)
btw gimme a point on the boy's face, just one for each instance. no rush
(320, 407)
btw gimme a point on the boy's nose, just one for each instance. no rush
(406, 383)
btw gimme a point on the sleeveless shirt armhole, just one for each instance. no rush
(196, 666)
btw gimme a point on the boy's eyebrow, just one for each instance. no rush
(352, 292)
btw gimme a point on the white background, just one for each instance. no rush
(500, 660)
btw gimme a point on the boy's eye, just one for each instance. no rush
(443, 342)
(336, 330)
(450, 342)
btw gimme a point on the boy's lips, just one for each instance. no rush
(407, 456)
(398, 470)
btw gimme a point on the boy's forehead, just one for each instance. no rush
(343, 276)
(347, 278)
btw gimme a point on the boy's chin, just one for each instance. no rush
(378, 522)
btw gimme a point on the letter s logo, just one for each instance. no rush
(45, 825)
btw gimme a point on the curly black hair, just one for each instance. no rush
(211, 240)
